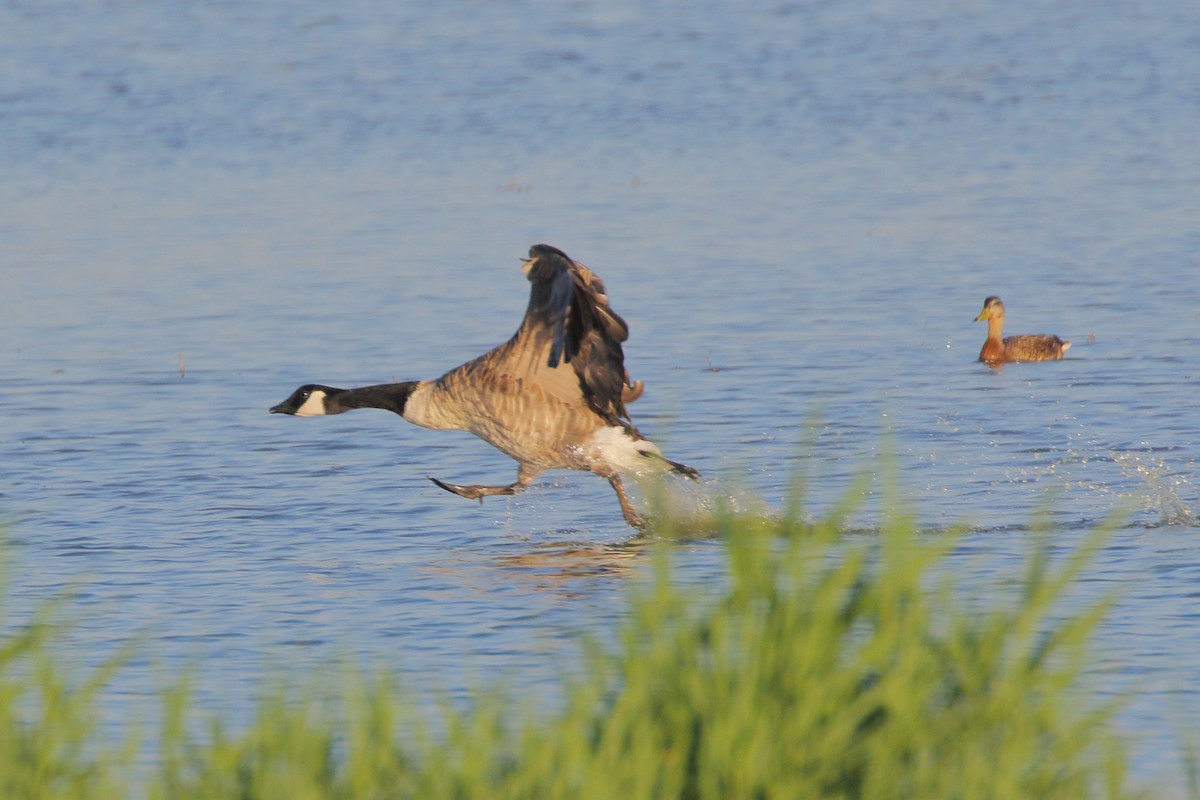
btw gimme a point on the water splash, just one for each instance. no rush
(1163, 488)
(1141, 480)
(697, 507)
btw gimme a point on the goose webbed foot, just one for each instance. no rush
(525, 474)
(477, 492)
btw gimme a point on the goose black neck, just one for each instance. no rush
(388, 396)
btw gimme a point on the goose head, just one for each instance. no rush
(310, 400)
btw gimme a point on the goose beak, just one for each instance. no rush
(280, 409)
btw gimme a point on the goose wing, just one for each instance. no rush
(571, 336)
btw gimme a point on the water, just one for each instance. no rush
(799, 207)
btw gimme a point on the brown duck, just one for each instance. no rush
(551, 397)
(1028, 347)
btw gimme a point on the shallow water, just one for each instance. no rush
(799, 208)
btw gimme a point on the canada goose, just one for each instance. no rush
(1029, 347)
(551, 397)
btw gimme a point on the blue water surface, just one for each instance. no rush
(799, 207)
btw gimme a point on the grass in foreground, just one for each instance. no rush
(821, 668)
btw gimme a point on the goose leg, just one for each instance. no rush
(632, 517)
(525, 474)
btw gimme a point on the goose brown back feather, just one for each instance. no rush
(560, 378)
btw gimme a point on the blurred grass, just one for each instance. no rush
(822, 667)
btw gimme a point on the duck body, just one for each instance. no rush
(1026, 347)
(551, 397)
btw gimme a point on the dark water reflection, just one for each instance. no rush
(798, 207)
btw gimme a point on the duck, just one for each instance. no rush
(1027, 347)
(552, 397)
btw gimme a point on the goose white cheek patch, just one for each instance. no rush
(314, 406)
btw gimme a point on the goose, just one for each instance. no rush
(1028, 347)
(551, 397)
